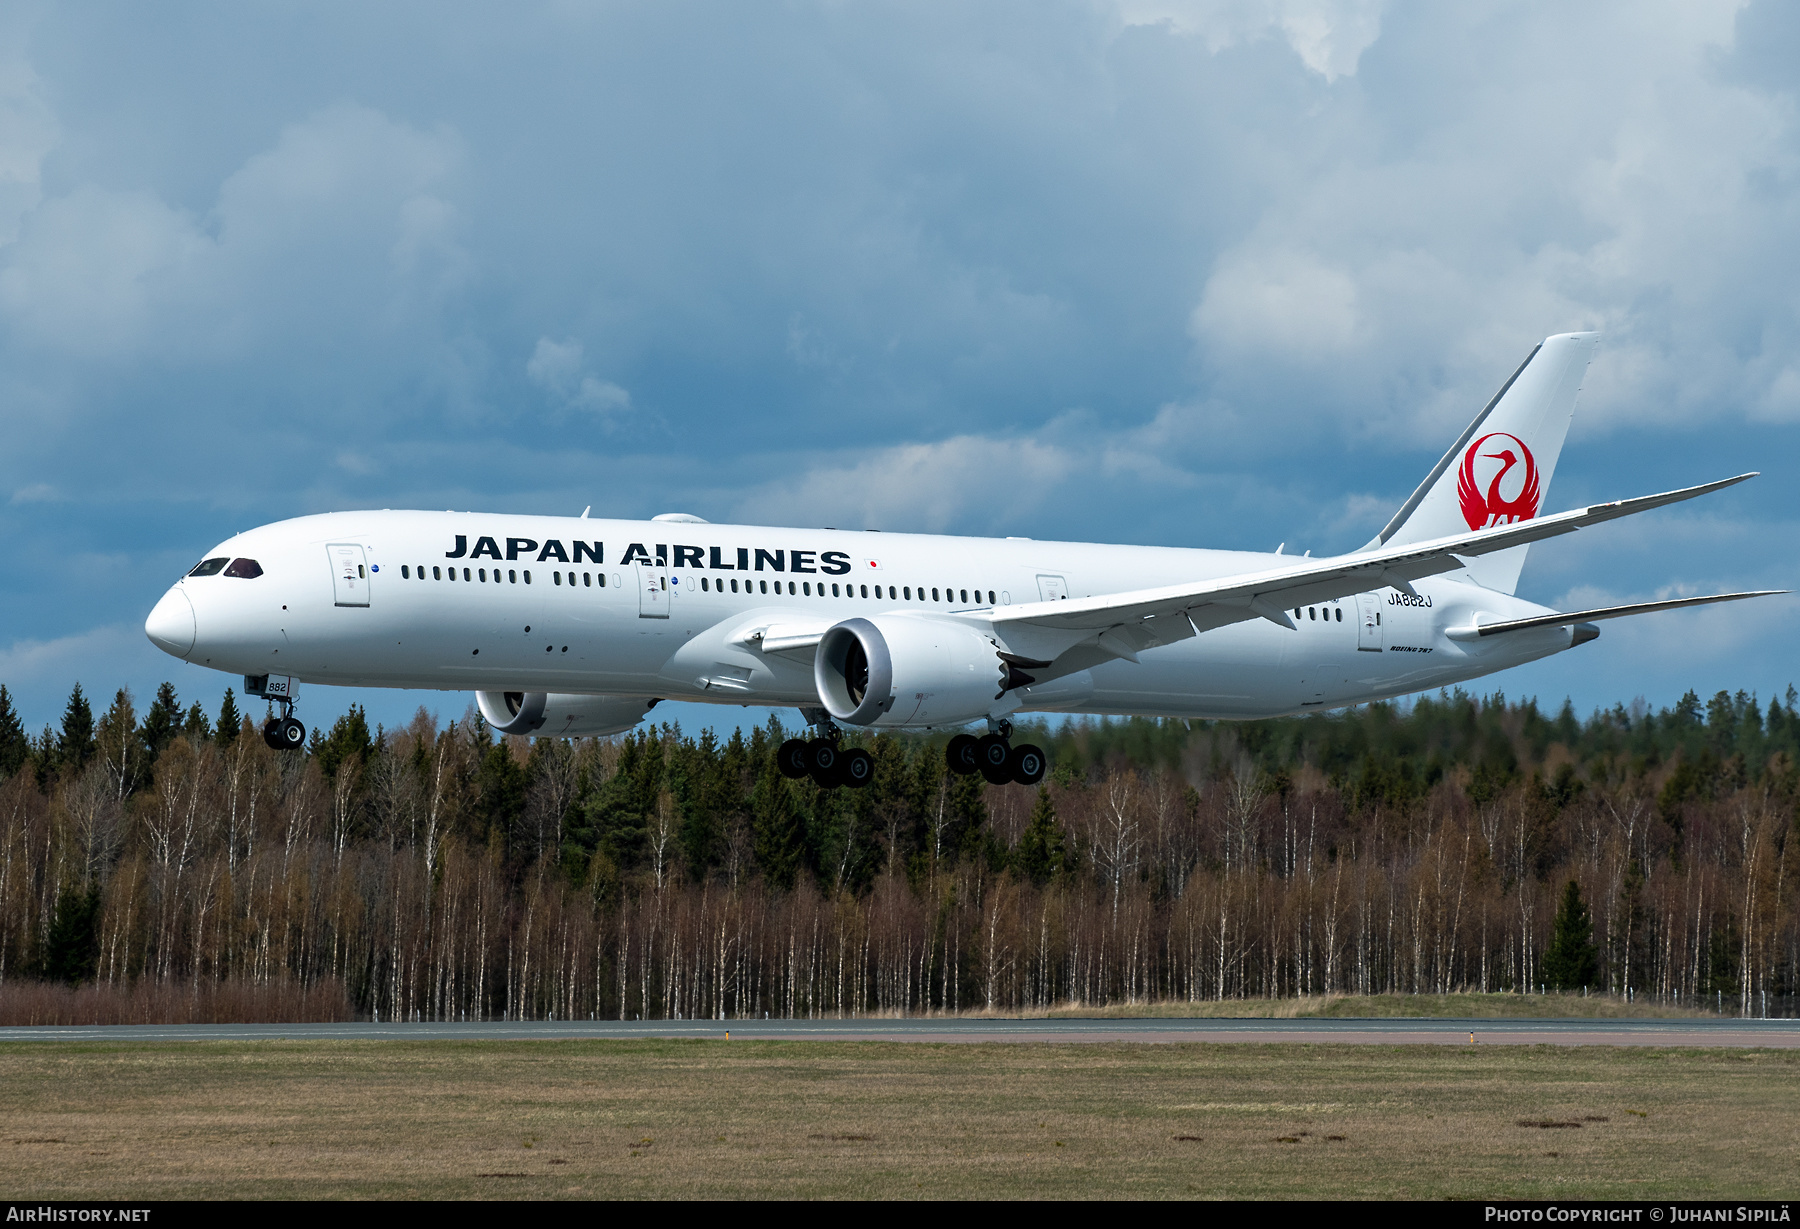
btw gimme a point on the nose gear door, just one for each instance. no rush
(653, 591)
(349, 574)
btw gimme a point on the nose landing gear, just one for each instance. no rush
(284, 733)
(995, 758)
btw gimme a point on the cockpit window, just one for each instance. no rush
(248, 569)
(208, 567)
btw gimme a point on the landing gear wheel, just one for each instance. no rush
(991, 755)
(1027, 764)
(960, 755)
(270, 732)
(822, 760)
(290, 735)
(856, 768)
(791, 759)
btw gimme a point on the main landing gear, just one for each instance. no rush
(284, 733)
(820, 757)
(995, 758)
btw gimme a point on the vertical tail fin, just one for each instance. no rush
(1499, 470)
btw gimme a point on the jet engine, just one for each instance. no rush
(908, 670)
(548, 715)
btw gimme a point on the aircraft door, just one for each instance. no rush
(1368, 623)
(349, 574)
(653, 591)
(1052, 588)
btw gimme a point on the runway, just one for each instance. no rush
(1781, 1034)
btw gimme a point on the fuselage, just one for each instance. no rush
(477, 602)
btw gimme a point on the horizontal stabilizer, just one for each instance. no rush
(1604, 612)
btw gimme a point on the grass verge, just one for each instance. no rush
(695, 1119)
(1391, 1006)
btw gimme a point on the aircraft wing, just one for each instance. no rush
(1122, 624)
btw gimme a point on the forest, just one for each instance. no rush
(1450, 843)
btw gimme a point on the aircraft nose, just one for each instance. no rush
(171, 624)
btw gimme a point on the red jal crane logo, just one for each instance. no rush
(1505, 464)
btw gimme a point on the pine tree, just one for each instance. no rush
(1571, 963)
(43, 758)
(15, 747)
(231, 722)
(196, 726)
(1042, 852)
(778, 831)
(121, 747)
(500, 785)
(75, 745)
(163, 721)
(72, 943)
(349, 737)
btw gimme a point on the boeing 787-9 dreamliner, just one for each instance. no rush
(568, 626)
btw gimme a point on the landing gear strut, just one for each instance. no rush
(995, 758)
(820, 757)
(284, 733)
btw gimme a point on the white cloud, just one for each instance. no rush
(1329, 36)
(557, 367)
(28, 132)
(27, 664)
(919, 487)
(1279, 302)
(1424, 236)
(93, 270)
(330, 230)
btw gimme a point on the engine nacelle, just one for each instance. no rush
(548, 715)
(908, 670)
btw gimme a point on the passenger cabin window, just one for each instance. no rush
(437, 574)
(209, 567)
(244, 569)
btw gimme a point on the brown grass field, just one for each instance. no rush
(697, 1119)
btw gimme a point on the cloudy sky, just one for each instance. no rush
(1188, 272)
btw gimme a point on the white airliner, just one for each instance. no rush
(574, 626)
